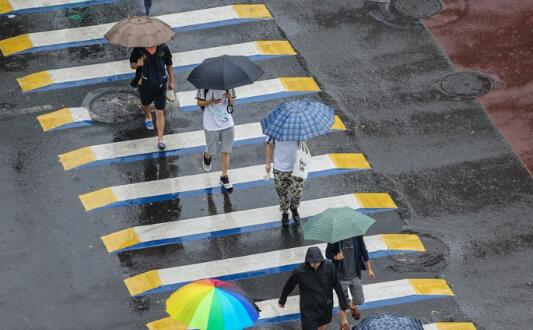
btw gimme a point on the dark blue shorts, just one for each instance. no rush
(157, 96)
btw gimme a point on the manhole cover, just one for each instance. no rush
(416, 9)
(467, 84)
(109, 105)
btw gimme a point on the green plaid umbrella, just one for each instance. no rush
(337, 224)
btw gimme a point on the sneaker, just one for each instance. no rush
(206, 163)
(285, 219)
(295, 216)
(224, 181)
(149, 124)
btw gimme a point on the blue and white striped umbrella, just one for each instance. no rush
(298, 120)
(390, 321)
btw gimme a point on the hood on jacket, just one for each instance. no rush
(314, 255)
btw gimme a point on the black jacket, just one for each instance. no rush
(316, 287)
(360, 252)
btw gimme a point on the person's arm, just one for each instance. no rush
(136, 59)
(330, 253)
(170, 70)
(202, 102)
(288, 288)
(269, 149)
(343, 303)
(366, 259)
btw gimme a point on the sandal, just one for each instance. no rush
(345, 326)
(161, 146)
(149, 124)
(356, 314)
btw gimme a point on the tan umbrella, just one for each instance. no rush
(140, 31)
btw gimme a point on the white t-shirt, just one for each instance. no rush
(216, 116)
(284, 154)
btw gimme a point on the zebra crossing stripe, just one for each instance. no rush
(90, 35)
(256, 265)
(120, 70)
(15, 7)
(219, 225)
(259, 91)
(450, 326)
(194, 185)
(177, 144)
(376, 295)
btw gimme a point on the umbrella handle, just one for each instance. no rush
(229, 109)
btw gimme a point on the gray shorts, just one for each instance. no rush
(356, 289)
(219, 140)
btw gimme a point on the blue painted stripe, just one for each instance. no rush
(259, 98)
(365, 306)
(59, 7)
(191, 193)
(101, 41)
(83, 123)
(129, 75)
(254, 274)
(163, 154)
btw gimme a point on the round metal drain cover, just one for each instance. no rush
(416, 9)
(111, 105)
(467, 84)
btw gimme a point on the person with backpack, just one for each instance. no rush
(288, 187)
(219, 128)
(154, 75)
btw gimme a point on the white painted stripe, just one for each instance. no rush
(373, 292)
(238, 219)
(432, 326)
(249, 263)
(80, 114)
(176, 21)
(204, 180)
(110, 69)
(29, 4)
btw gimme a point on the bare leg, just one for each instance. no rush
(160, 117)
(147, 113)
(343, 317)
(225, 163)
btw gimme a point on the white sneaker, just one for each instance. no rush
(206, 163)
(224, 182)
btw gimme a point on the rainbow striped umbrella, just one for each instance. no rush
(212, 305)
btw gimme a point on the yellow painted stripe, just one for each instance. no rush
(252, 11)
(455, 326)
(143, 282)
(99, 198)
(375, 201)
(407, 242)
(5, 7)
(275, 47)
(35, 81)
(55, 119)
(167, 323)
(431, 286)
(299, 84)
(120, 240)
(345, 161)
(76, 158)
(15, 44)
(338, 125)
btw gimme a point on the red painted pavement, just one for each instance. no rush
(495, 36)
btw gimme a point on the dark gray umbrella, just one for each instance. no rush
(225, 72)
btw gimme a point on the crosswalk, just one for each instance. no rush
(278, 259)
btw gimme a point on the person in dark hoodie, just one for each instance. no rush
(350, 257)
(316, 279)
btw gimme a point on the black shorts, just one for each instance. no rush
(157, 96)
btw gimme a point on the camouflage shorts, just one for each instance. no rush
(289, 189)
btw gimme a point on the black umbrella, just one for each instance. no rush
(225, 72)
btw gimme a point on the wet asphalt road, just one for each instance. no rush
(455, 179)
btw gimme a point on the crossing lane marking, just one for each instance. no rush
(259, 91)
(256, 265)
(120, 70)
(15, 7)
(90, 35)
(194, 185)
(376, 295)
(218, 225)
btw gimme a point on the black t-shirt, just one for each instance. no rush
(161, 51)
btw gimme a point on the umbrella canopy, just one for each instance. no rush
(390, 321)
(212, 305)
(225, 72)
(337, 224)
(298, 120)
(140, 31)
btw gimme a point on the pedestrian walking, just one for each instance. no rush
(219, 128)
(350, 257)
(316, 280)
(288, 187)
(154, 76)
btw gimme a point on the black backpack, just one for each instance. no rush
(154, 72)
